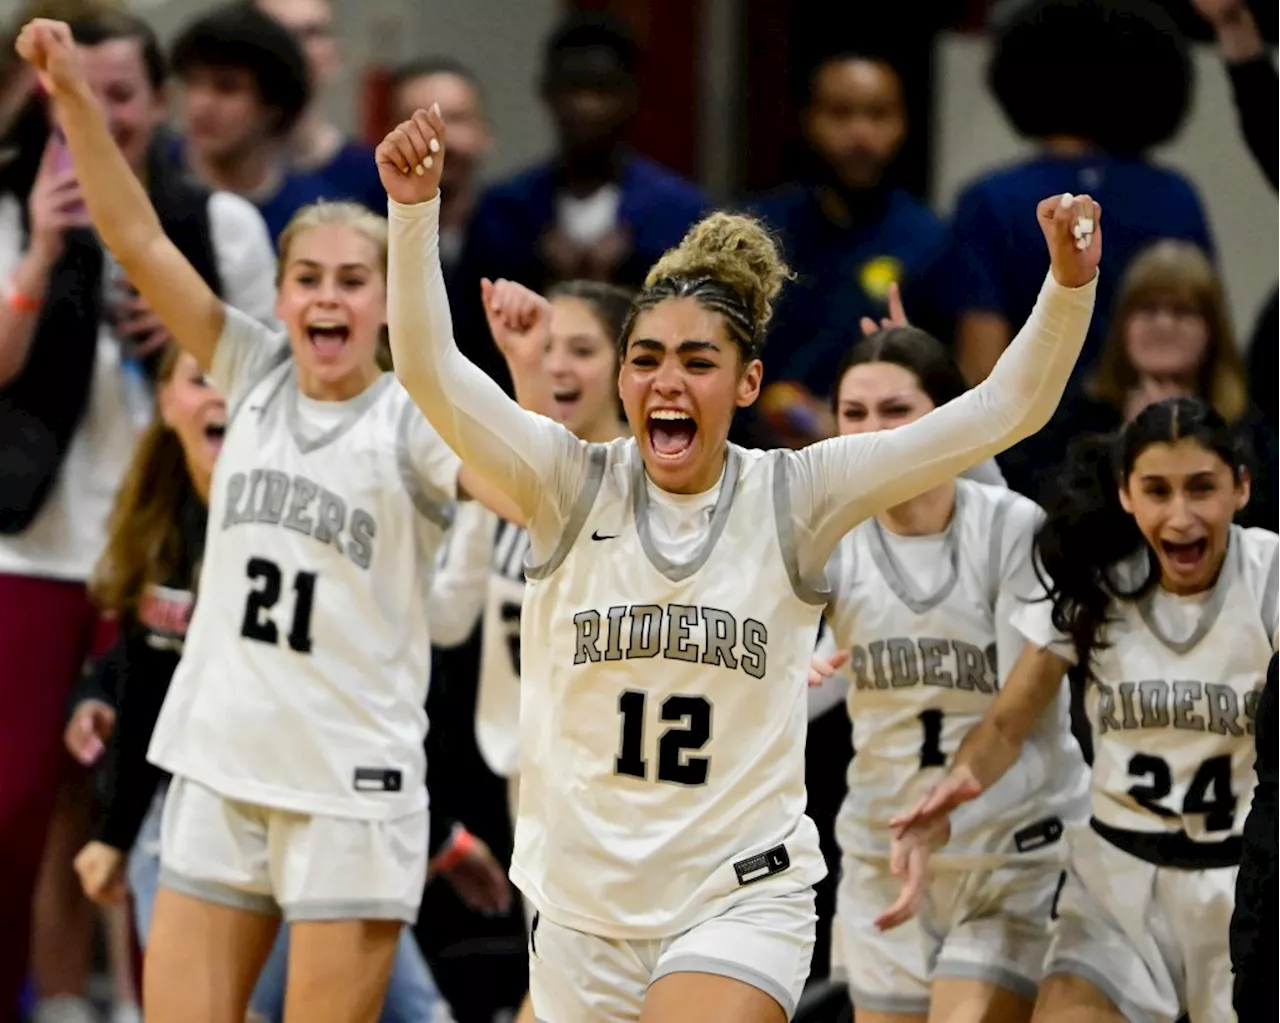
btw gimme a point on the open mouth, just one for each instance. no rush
(566, 401)
(1185, 555)
(328, 339)
(671, 433)
(214, 434)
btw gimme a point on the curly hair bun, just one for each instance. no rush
(736, 251)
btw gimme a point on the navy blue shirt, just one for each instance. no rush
(506, 233)
(1000, 253)
(353, 174)
(844, 261)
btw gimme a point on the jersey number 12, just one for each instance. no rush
(673, 766)
(257, 608)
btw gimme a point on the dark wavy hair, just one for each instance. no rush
(916, 351)
(1087, 532)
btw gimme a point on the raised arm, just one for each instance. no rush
(116, 200)
(530, 459)
(840, 482)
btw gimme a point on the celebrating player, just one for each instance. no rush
(661, 834)
(1171, 611)
(922, 597)
(294, 724)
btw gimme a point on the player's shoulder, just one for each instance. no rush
(1260, 557)
(989, 507)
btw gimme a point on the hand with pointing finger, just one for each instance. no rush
(897, 314)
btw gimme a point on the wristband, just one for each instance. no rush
(19, 302)
(461, 842)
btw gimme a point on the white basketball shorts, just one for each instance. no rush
(988, 925)
(287, 864)
(1152, 939)
(581, 978)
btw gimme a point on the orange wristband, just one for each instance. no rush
(19, 302)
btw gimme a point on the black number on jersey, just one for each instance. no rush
(510, 614)
(257, 622)
(1209, 792)
(692, 711)
(931, 754)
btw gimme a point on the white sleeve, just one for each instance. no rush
(245, 256)
(531, 459)
(246, 349)
(428, 467)
(1034, 622)
(834, 689)
(837, 483)
(461, 580)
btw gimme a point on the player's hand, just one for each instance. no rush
(897, 314)
(519, 320)
(1216, 12)
(48, 47)
(480, 881)
(91, 725)
(1072, 227)
(101, 871)
(822, 668)
(959, 786)
(411, 158)
(137, 322)
(909, 855)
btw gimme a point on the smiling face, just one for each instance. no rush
(333, 303)
(1183, 497)
(879, 396)
(196, 411)
(581, 363)
(681, 380)
(117, 74)
(1166, 336)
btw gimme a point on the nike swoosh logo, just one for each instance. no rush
(597, 536)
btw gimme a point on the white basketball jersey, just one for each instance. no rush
(498, 699)
(305, 674)
(923, 670)
(663, 708)
(1172, 714)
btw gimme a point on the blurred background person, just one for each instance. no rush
(1067, 77)
(317, 145)
(849, 234)
(596, 210)
(245, 84)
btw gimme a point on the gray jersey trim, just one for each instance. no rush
(995, 550)
(896, 576)
(1212, 607)
(988, 973)
(785, 523)
(352, 909)
(693, 963)
(219, 894)
(673, 570)
(433, 504)
(906, 1004)
(599, 454)
(280, 357)
(1131, 1011)
(1270, 598)
(355, 408)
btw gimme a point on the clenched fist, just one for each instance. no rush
(1072, 227)
(411, 157)
(48, 47)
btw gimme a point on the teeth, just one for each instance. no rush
(670, 458)
(667, 413)
(327, 326)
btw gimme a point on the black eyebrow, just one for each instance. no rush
(684, 347)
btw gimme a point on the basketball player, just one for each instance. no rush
(922, 597)
(661, 834)
(1172, 611)
(294, 724)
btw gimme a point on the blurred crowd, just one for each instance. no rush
(77, 384)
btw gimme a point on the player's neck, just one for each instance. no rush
(924, 515)
(344, 388)
(1067, 145)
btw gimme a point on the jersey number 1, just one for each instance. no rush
(672, 766)
(257, 618)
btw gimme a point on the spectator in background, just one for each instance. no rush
(1170, 335)
(596, 210)
(416, 86)
(245, 86)
(76, 348)
(1095, 86)
(1254, 85)
(849, 235)
(316, 145)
